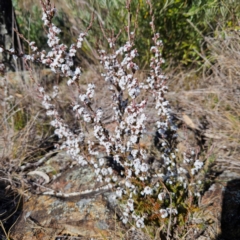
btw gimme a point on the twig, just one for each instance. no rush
(103, 31)
(152, 16)
(136, 19)
(74, 194)
(91, 23)
(157, 235)
(39, 162)
(128, 3)
(13, 224)
(3, 228)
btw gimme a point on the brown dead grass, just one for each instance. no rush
(212, 100)
(24, 127)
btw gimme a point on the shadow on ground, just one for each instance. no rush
(10, 208)
(230, 220)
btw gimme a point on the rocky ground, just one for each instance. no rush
(94, 216)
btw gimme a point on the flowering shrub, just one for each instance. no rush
(151, 189)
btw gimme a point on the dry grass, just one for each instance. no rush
(25, 130)
(212, 100)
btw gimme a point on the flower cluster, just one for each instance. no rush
(118, 157)
(71, 141)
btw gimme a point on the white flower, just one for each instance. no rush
(99, 114)
(148, 190)
(86, 117)
(197, 194)
(41, 89)
(78, 71)
(125, 220)
(107, 179)
(129, 173)
(169, 182)
(119, 192)
(69, 82)
(110, 171)
(161, 196)
(128, 184)
(133, 138)
(83, 97)
(193, 171)
(55, 29)
(76, 107)
(130, 203)
(97, 171)
(198, 165)
(144, 167)
(172, 211)
(143, 152)
(164, 213)
(134, 153)
(51, 112)
(104, 171)
(114, 178)
(90, 90)
(101, 161)
(99, 178)
(140, 223)
(182, 170)
(80, 110)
